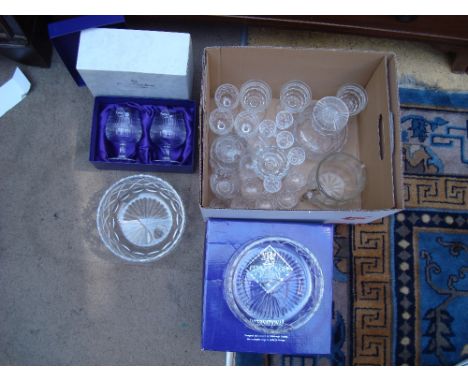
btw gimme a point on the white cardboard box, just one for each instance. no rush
(136, 63)
(374, 136)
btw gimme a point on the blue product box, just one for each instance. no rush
(65, 35)
(267, 287)
(145, 152)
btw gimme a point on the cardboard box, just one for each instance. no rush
(374, 136)
(101, 149)
(136, 63)
(309, 330)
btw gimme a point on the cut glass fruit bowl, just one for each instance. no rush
(273, 285)
(140, 218)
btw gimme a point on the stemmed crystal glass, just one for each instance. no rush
(221, 121)
(168, 132)
(227, 97)
(255, 96)
(354, 96)
(123, 129)
(295, 96)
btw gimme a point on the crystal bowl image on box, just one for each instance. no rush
(140, 218)
(273, 285)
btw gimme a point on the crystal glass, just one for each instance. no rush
(246, 124)
(296, 156)
(340, 178)
(140, 218)
(255, 96)
(287, 200)
(251, 188)
(247, 167)
(267, 130)
(284, 120)
(273, 285)
(123, 129)
(227, 150)
(270, 161)
(221, 169)
(217, 203)
(272, 184)
(285, 139)
(354, 96)
(296, 179)
(221, 121)
(266, 202)
(317, 144)
(168, 132)
(295, 96)
(241, 203)
(227, 97)
(224, 186)
(330, 115)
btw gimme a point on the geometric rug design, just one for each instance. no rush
(410, 293)
(431, 300)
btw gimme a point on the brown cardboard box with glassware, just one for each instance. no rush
(373, 135)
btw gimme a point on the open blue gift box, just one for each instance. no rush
(263, 266)
(145, 152)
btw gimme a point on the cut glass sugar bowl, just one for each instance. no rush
(141, 218)
(273, 285)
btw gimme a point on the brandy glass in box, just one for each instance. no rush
(123, 129)
(168, 132)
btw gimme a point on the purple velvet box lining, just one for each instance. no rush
(145, 151)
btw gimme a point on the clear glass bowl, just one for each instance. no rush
(273, 285)
(227, 97)
(255, 96)
(140, 218)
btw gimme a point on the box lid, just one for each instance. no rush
(65, 36)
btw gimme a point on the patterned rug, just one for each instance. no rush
(400, 291)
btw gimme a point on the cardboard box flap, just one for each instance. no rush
(397, 146)
(375, 143)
